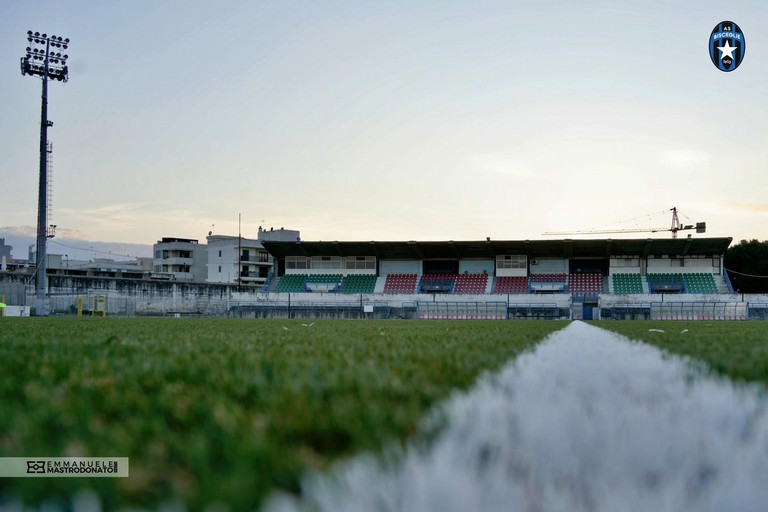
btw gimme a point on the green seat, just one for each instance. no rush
(292, 283)
(358, 283)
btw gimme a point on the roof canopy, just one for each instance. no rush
(413, 250)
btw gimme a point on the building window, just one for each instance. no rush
(327, 263)
(296, 262)
(219, 269)
(219, 253)
(361, 263)
(511, 261)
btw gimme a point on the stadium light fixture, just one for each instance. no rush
(44, 59)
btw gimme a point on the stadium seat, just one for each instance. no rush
(358, 283)
(511, 285)
(627, 283)
(700, 283)
(292, 283)
(585, 284)
(400, 283)
(471, 283)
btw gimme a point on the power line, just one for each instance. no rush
(90, 249)
(743, 274)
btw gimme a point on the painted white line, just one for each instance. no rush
(588, 421)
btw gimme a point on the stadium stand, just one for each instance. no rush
(625, 284)
(400, 283)
(700, 283)
(437, 283)
(358, 283)
(292, 283)
(471, 283)
(585, 284)
(512, 285)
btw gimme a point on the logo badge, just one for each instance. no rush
(35, 466)
(727, 46)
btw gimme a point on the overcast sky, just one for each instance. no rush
(387, 120)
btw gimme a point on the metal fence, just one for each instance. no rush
(540, 311)
(699, 311)
(461, 310)
(685, 311)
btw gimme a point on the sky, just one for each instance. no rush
(396, 120)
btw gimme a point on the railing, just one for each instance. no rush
(461, 310)
(270, 278)
(255, 258)
(728, 281)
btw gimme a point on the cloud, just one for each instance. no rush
(125, 220)
(19, 230)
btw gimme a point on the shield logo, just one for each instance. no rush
(727, 46)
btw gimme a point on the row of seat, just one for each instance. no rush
(580, 284)
(699, 282)
(632, 283)
(548, 278)
(511, 285)
(358, 283)
(353, 283)
(585, 284)
(471, 283)
(627, 284)
(400, 283)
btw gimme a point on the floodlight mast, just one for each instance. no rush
(47, 64)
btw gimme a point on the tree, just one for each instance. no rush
(750, 258)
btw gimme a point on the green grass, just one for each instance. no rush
(226, 410)
(735, 349)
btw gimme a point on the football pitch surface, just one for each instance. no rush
(230, 411)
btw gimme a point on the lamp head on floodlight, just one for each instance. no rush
(44, 62)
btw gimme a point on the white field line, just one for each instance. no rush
(588, 421)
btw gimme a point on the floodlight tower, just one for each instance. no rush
(44, 59)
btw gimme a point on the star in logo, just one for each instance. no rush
(727, 50)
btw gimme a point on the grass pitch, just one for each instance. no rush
(225, 411)
(735, 349)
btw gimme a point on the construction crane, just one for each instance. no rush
(700, 227)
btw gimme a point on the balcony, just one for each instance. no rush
(255, 258)
(252, 276)
(175, 246)
(176, 261)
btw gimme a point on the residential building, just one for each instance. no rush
(181, 259)
(244, 261)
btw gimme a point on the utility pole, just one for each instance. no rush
(42, 59)
(239, 250)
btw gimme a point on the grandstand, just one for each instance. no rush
(578, 274)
